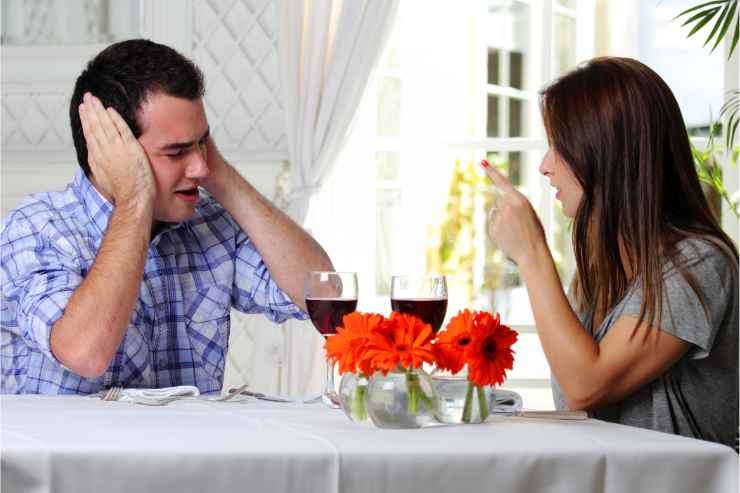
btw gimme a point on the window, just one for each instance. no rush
(438, 105)
(459, 82)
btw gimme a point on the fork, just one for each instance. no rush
(259, 395)
(232, 394)
(113, 394)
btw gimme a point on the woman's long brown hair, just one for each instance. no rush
(617, 125)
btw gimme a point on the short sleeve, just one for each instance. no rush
(37, 284)
(693, 317)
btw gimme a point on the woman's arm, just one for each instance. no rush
(590, 375)
(593, 375)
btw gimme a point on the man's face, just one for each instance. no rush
(174, 133)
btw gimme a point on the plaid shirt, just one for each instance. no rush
(178, 335)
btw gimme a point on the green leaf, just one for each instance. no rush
(735, 37)
(730, 110)
(703, 22)
(732, 123)
(700, 15)
(728, 20)
(700, 6)
(717, 24)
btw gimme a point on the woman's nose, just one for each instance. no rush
(545, 168)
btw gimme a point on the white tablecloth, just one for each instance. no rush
(81, 444)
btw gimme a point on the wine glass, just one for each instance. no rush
(329, 297)
(422, 296)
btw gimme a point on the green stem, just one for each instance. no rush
(468, 408)
(359, 411)
(412, 384)
(482, 403)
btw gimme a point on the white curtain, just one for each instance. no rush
(327, 51)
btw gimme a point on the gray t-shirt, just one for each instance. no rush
(697, 396)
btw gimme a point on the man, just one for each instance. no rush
(127, 277)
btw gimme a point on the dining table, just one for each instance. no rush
(81, 444)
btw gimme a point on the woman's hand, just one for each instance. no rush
(512, 223)
(118, 162)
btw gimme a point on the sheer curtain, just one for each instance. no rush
(327, 51)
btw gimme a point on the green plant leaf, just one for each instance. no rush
(700, 6)
(701, 15)
(731, 110)
(725, 25)
(735, 37)
(717, 24)
(708, 16)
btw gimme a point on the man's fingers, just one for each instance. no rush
(100, 119)
(121, 126)
(90, 137)
(497, 178)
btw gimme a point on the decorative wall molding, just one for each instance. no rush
(235, 44)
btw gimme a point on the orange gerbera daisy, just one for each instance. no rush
(405, 341)
(348, 345)
(451, 342)
(489, 353)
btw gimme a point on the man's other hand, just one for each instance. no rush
(219, 171)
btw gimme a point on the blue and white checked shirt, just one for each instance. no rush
(178, 335)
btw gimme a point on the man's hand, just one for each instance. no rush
(219, 171)
(118, 162)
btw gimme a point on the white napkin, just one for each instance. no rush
(507, 401)
(158, 397)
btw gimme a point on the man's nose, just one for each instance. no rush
(197, 167)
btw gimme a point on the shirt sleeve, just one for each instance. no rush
(693, 317)
(254, 290)
(38, 281)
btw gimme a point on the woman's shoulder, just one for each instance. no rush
(702, 251)
(705, 263)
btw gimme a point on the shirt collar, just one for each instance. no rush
(99, 210)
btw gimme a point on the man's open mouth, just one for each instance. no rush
(189, 195)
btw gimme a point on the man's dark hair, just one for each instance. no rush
(124, 75)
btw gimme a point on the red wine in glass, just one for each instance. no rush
(326, 313)
(431, 311)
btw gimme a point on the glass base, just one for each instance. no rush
(400, 399)
(331, 399)
(452, 395)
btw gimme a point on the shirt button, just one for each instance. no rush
(162, 363)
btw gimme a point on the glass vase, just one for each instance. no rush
(401, 398)
(352, 392)
(460, 401)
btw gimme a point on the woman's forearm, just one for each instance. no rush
(570, 350)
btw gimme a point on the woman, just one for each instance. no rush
(648, 335)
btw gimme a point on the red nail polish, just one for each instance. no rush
(484, 163)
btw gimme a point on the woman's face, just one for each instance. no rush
(569, 191)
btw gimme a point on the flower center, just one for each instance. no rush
(463, 341)
(402, 348)
(489, 348)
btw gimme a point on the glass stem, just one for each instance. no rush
(329, 389)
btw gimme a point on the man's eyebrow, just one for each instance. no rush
(176, 146)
